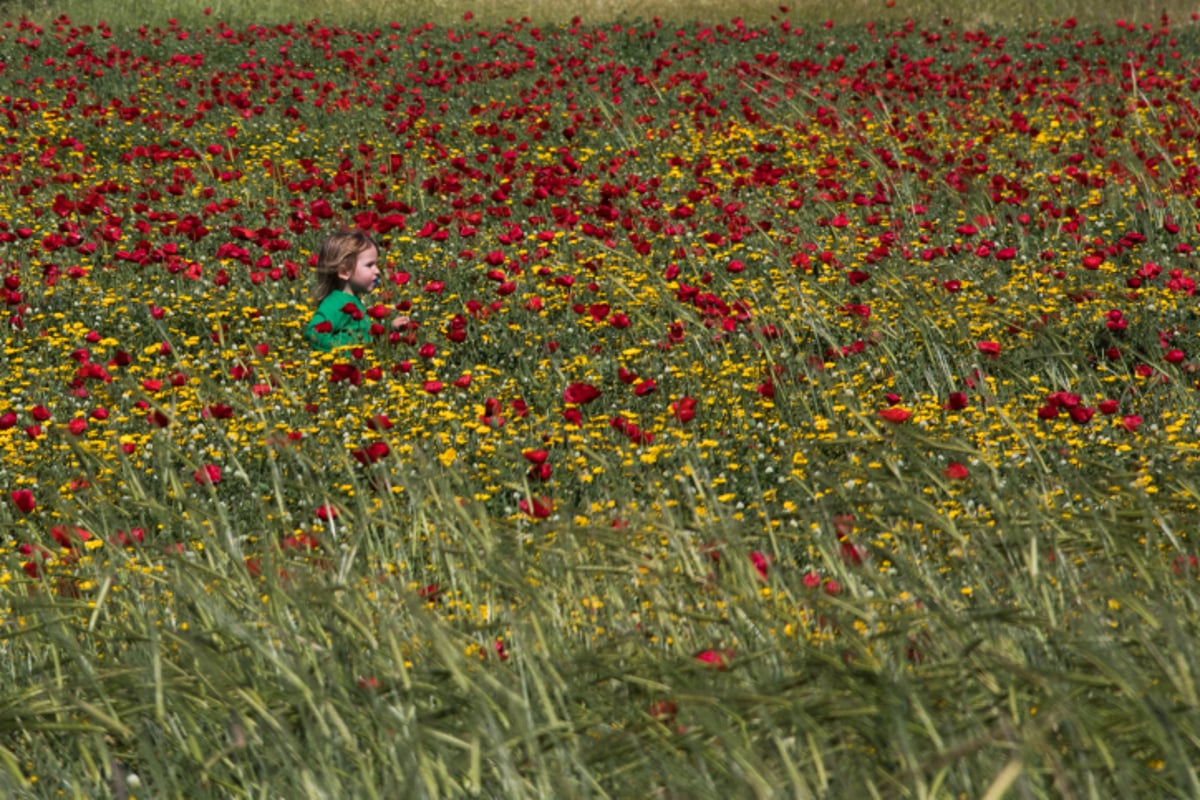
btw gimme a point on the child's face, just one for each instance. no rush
(362, 277)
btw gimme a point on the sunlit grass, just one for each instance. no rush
(785, 412)
(130, 14)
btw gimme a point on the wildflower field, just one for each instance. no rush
(785, 410)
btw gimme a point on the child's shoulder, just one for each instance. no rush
(337, 301)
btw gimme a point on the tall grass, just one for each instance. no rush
(889, 556)
(130, 14)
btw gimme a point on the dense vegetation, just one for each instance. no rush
(785, 410)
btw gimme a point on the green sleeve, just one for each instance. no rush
(344, 329)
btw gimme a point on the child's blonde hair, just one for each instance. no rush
(338, 253)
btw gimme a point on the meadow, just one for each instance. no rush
(787, 410)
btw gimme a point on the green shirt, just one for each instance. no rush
(339, 320)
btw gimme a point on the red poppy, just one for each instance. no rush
(539, 473)
(580, 393)
(895, 414)
(299, 541)
(536, 456)
(379, 422)
(850, 552)
(345, 372)
(219, 411)
(23, 500)
(684, 409)
(538, 508)
(127, 539)
(69, 537)
(956, 471)
(1081, 415)
(208, 475)
(371, 453)
(631, 430)
(718, 659)
(760, 561)
(989, 348)
(645, 387)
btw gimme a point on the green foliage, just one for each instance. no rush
(862, 508)
(131, 14)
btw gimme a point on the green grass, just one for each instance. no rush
(129, 14)
(988, 598)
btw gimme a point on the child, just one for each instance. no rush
(347, 269)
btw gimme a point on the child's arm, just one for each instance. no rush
(341, 327)
(321, 335)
